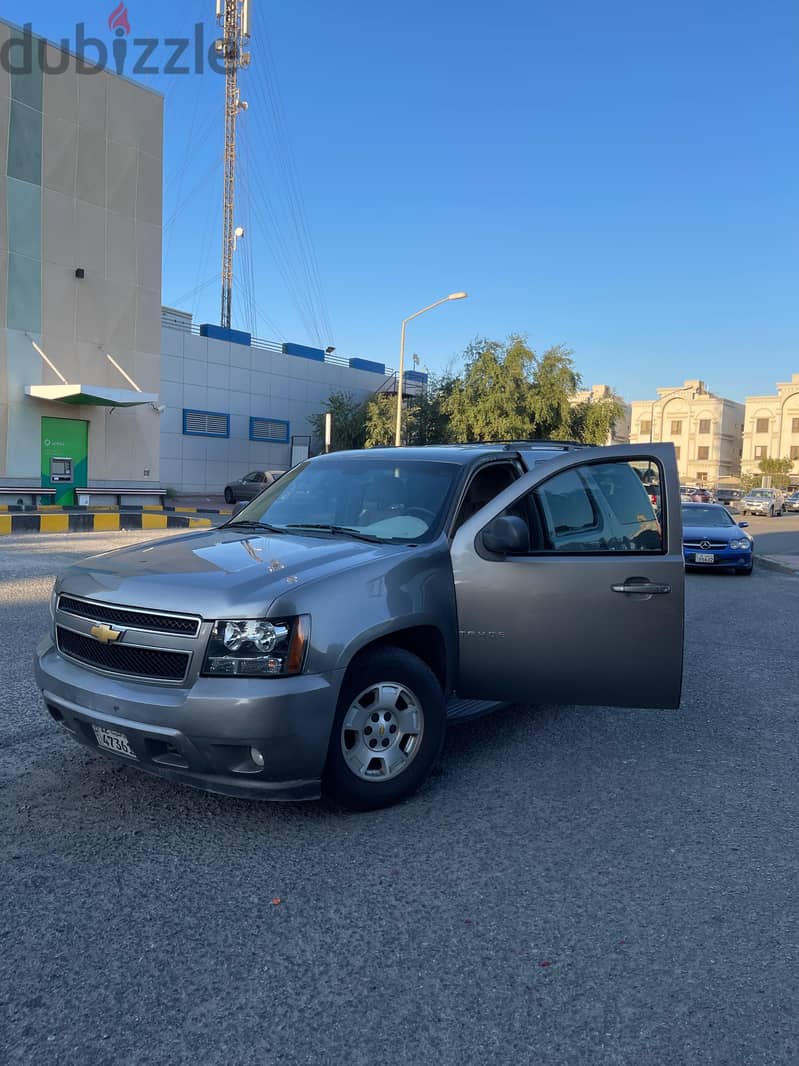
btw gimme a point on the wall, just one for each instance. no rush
(81, 188)
(205, 374)
(689, 405)
(779, 439)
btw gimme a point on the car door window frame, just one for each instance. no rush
(515, 466)
(538, 520)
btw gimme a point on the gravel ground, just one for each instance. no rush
(577, 886)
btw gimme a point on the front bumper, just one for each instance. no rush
(740, 560)
(201, 735)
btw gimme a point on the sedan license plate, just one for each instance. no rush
(113, 741)
(703, 557)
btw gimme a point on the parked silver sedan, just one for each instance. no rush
(251, 485)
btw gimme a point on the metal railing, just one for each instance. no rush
(257, 342)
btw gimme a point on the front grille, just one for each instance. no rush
(123, 658)
(127, 616)
(712, 546)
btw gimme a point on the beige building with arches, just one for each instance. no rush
(706, 430)
(771, 428)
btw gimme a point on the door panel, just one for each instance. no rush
(68, 439)
(595, 614)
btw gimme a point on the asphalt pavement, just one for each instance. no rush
(578, 885)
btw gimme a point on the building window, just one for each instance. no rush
(677, 453)
(795, 425)
(205, 424)
(271, 430)
(701, 475)
(794, 451)
(703, 452)
(704, 425)
(761, 425)
(646, 426)
(676, 428)
(761, 451)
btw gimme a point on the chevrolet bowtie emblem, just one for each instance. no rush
(105, 634)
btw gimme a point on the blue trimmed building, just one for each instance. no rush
(233, 403)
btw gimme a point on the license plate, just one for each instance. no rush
(702, 557)
(113, 741)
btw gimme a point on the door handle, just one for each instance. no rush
(642, 588)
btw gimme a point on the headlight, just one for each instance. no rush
(257, 647)
(741, 545)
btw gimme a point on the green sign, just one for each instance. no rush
(65, 455)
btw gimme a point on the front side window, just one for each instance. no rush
(597, 507)
(381, 499)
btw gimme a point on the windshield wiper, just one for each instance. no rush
(250, 524)
(347, 530)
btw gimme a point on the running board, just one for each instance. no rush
(463, 710)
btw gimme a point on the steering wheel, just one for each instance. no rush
(421, 512)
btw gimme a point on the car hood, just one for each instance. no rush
(717, 533)
(217, 573)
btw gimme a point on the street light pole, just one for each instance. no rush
(401, 371)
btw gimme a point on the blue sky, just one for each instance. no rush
(617, 177)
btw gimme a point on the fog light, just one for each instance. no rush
(257, 758)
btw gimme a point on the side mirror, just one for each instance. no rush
(743, 525)
(507, 535)
(239, 507)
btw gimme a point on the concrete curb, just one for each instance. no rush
(770, 563)
(104, 522)
(109, 509)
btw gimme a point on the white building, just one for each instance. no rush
(771, 428)
(706, 430)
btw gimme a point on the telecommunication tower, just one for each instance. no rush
(234, 18)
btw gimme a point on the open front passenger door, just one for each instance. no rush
(570, 586)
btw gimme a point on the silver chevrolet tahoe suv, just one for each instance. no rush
(321, 640)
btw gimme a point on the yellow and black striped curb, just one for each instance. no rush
(11, 508)
(103, 522)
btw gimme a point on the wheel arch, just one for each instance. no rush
(426, 642)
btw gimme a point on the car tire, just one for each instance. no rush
(369, 766)
(229, 497)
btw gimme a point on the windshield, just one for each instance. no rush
(385, 499)
(706, 516)
(761, 492)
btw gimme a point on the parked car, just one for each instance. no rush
(251, 485)
(712, 537)
(769, 502)
(316, 642)
(792, 502)
(728, 497)
(699, 494)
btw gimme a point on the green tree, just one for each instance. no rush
(349, 421)
(423, 417)
(778, 470)
(492, 398)
(555, 381)
(593, 420)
